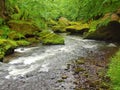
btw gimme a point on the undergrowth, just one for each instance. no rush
(114, 71)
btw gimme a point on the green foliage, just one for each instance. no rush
(114, 71)
(4, 31)
(49, 38)
(1, 21)
(23, 43)
(42, 10)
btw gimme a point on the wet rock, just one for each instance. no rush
(59, 29)
(50, 38)
(24, 27)
(108, 33)
(63, 21)
(78, 69)
(64, 76)
(15, 35)
(78, 29)
(80, 61)
(104, 85)
(60, 80)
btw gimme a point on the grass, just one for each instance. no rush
(114, 71)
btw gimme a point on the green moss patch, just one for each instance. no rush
(59, 29)
(15, 35)
(22, 43)
(24, 27)
(79, 29)
(49, 38)
(6, 47)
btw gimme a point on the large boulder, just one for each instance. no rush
(28, 29)
(50, 38)
(110, 32)
(78, 28)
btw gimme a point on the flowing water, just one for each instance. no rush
(42, 67)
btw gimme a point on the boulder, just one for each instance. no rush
(50, 38)
(15, 35)
(59, 29)
(28, 29)
(63, 21)
(78, 29)
(110, 32)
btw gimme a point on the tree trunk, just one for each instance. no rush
(2, 8)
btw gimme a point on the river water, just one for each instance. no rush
(41, 67)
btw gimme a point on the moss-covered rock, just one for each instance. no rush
(78, 28)
(22, 43)
(59, 29)
(6, 47)
(52, 23)
(15, 35)
(33, 40)
(63, 21)
(50, 38)
(111, 32)
(28, 29)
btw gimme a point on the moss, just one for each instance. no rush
(16, 16)
(59, 29)
(33, 40)
(22, 43)
(15, 35)
(2, 54)
(4, 31)
(52, 22)
(78, 69)
(49, 38)
(24, 27)
(80, 61)
(78, 28)
(6, 47)
(105, 86)
(64, 77)
(61, 80)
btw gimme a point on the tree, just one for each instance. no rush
(2, 8)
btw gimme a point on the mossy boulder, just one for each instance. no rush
(78, 28)
(63, 21)
(6, 47)
(110, 32)
(50, 38)
(52, 23)
(22, 43)
(33, 40)
(15, 35)
(59, 29)
(28, 29)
